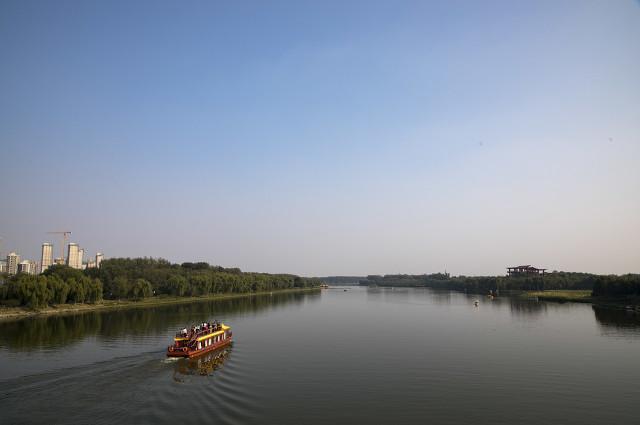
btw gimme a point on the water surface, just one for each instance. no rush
(359, 356)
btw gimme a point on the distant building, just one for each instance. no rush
(527, 270)
(91, 263)
(13, 260)
(58, 261)
(73, 256)
(80, 258)
(3, 266)
(23, 267)
(28, 267)
(99, 258)
(46, 259)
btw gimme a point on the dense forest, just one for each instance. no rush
(138, 278)
(605, 286)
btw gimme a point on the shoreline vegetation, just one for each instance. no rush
(579, 296)
(606, 290)
(561, 296)
(9, 313)
(121, 282)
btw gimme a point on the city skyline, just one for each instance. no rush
(329, 138)
(14, 261)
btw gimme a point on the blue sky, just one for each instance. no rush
(325, 137)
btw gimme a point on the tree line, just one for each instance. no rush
(138, 278)
(617, 286)
(600, 285)
(59, 286)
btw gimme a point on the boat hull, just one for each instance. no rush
(189, 353)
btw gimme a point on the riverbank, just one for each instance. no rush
(580, 296)
(577, 296)
(11, 313)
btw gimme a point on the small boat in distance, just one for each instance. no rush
(200, 339)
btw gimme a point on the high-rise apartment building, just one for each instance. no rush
(13, 260)
(99, 258)
(80, 258)
(73, 256)
(47, 257)
(3, 266)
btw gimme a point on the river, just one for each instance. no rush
(376, 356)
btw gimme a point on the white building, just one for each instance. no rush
(80, 258)
(13, 260)
(46, 259)
(73, 256)
(3, 266)
(29, 267)
(99, 258)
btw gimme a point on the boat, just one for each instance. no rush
(200, 339)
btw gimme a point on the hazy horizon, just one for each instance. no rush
(332, 138)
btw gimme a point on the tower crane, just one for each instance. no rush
(65, 235)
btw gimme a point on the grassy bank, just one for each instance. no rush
(562, 296)
(7, 313)
(580, 296)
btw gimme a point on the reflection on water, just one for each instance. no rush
(526, 309)
(617, 322)
(441, 297)
(204, 365)
(61, 330)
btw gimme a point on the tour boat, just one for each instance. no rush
(200, 339)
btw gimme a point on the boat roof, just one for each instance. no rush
(223, 328)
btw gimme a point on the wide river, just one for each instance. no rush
(370, 356)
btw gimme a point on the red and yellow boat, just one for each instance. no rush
(200, 339)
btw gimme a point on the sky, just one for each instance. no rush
(325, 138)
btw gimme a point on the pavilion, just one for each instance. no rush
(527, 270)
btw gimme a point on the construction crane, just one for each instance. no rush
(65, 236)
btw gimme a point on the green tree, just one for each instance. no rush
(141, 288)
(177, 285)
(121, 287)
